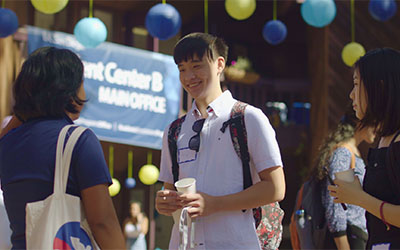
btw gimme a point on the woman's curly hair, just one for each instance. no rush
(343, 132)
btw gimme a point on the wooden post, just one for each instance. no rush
(152, 236)
(318, 64)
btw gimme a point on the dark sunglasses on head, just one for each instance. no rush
(194, 142)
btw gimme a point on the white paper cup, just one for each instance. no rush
(186, 185)
(347, 175)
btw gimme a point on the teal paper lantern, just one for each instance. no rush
(90, 32)
(318, 13)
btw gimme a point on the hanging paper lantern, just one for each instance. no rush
(318, 13)
(352, 52)
(130, 183)
(90, 32)
(240, 9)
(49, 6)
(8, 22)
(382, 10)
(114, 188)
(163, 21)
(274, 32)
(148, 174)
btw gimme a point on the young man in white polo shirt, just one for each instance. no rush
(223, 210)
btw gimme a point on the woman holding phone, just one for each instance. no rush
(376, 101)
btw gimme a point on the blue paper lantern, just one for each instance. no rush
(90, 32)
(163, 21)
(130, 183)
(274, 32)
(318, 13)
(8, 22)
(382, 10)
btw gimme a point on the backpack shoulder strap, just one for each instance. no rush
(173, 133)
(299, 198)
(353, 156)
(237, 128)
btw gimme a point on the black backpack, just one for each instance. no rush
(268, 218)
(308, 227)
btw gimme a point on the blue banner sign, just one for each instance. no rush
(133, 94)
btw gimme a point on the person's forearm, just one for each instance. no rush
(102, 218)
(342, 243)
(108, 234)
(145, 226)
(372, 205)
(261, 193)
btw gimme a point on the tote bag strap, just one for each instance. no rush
(69, 148)
(63, 159)
(58, 185)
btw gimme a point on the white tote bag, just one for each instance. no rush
(59, 222)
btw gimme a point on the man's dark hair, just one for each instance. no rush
(48, 84)
(200, 44)
(380, 74)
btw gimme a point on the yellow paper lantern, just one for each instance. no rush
(148, 174)
(352, 52)
(240, 9)
(114, 188)
(49, 6)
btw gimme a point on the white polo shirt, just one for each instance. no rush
(218, 171)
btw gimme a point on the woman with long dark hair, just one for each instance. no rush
(376, 100)
(136, 227)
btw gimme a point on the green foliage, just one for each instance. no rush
(243, 63)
